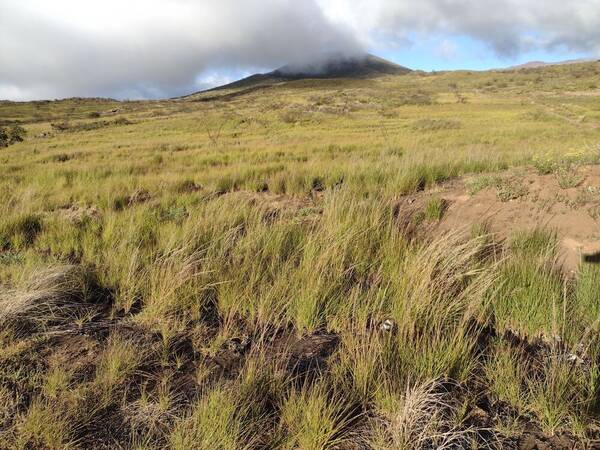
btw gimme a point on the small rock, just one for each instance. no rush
(480, 417)
(387, 325)
(238, 345)
(574, 359)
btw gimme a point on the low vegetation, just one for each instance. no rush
(11, 135)
(279, 281)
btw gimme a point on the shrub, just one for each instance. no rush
(509, 190)
(8, 136)
(544, 166)
(482, 182)
(3, 138)
(16, 133)
(61, 157)
(568, 177)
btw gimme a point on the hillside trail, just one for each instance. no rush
(565, 113)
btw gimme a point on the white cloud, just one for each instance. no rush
(68, 47)
(160, 47)
(507, 26)
(447, 50)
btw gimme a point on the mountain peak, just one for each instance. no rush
(330, 67)
(340, 66)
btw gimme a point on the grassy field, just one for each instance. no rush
(246, 271)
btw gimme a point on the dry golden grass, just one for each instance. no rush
(253, 272)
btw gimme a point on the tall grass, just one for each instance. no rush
(135, 261)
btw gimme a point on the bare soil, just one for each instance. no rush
(573, 212)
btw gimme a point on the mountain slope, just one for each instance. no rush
(538, 64)
(364, 66)
(361, 66)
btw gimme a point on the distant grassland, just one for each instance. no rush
(373, 133)
(184, 243)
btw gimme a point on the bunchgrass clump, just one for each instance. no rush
(19, 232)
(216, 421)
(434, 210)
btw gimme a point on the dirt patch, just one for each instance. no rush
(78, 353)
(301, 357)
(281, 206)
(537, 441)
(310, 353)
(523, 200)
(79, 214)
(230, 357)
(139, 196)
(409, 215)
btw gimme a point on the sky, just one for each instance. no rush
(133, 49)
